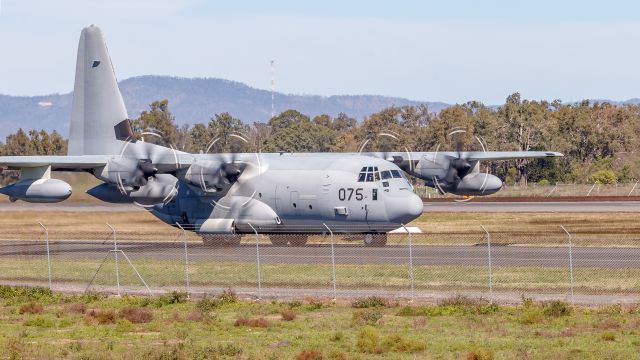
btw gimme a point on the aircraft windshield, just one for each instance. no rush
(371, 174)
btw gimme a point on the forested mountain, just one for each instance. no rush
(192, 101)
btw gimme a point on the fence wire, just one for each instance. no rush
(504, 266)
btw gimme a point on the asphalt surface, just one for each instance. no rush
(552, 257)
(452, 206)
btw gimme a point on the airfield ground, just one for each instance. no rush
(39, 324)
(441, 228)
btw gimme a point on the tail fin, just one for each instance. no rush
(98, 112)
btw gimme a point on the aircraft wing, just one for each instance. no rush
(83, 162)
(69, 163)
(469, 155)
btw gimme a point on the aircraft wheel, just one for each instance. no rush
(221, 240)
(288, 239)
(375, 239)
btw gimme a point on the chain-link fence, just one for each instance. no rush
(500, 266)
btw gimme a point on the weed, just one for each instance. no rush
(398, 343)
(608, 336)
(175, 297)
(136, 315)
(22, 293)
(308, 354)
(228, 297)
(529, 315)
(367, 316)
(335, 354)
(369, 302)
(557, 308)
(288, 315)
(253, 322)
(480, 354)
(336, 336)
(368, 341)
(31, 308)
(419, 323)
(40, 321)
(220, 350)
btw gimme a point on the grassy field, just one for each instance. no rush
(588, 229)
(39, 324)
(217, 273)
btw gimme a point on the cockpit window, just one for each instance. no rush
(396, 174)
(385, 174)
(377, 175)
(361, 177)
(369, 177)
(370, 169)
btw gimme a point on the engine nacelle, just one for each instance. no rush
(38, 190)
(210, 176)
(159, 189)
(475, 184)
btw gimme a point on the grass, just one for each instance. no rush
(221, 274)
(588, 229)
(455, 328)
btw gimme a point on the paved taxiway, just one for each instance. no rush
(590, 257)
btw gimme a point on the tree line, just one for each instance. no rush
(598, 139)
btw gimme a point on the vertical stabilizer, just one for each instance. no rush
(97, 103)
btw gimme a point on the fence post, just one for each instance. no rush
(333, 263)
(186, 259)
(46, 239)
(258, 262)
(570, 260)
(411, 272)
(490, 269)
(632, 189)
(593, 187)
(115, 253)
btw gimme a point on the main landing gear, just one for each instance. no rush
(375, 239)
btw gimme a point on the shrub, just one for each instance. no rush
(604, 177)
(228, 297)
(76, 308)
(136, 315)
(544, 182)
(309, 355)
(480, 354)
(368, 341)
(398, 343)
(369, 302)
(175, 297)
(288, 315)
(367, 316)
(195, 315)
(101, 316)
(253, 322)
(40, 321)
(31, 308)
(557, 308)
(23, 293)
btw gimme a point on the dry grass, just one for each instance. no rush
(136, 315)
(31, 308)
(259, 322)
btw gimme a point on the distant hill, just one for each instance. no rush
(192, 101)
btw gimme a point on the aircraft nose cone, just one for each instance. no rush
(404, 209)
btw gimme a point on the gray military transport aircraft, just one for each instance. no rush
(222, 196)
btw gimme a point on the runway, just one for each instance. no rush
(452, 206)
(510, 256)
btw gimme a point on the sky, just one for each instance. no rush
(450, 51)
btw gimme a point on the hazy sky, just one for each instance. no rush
(451, 51)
